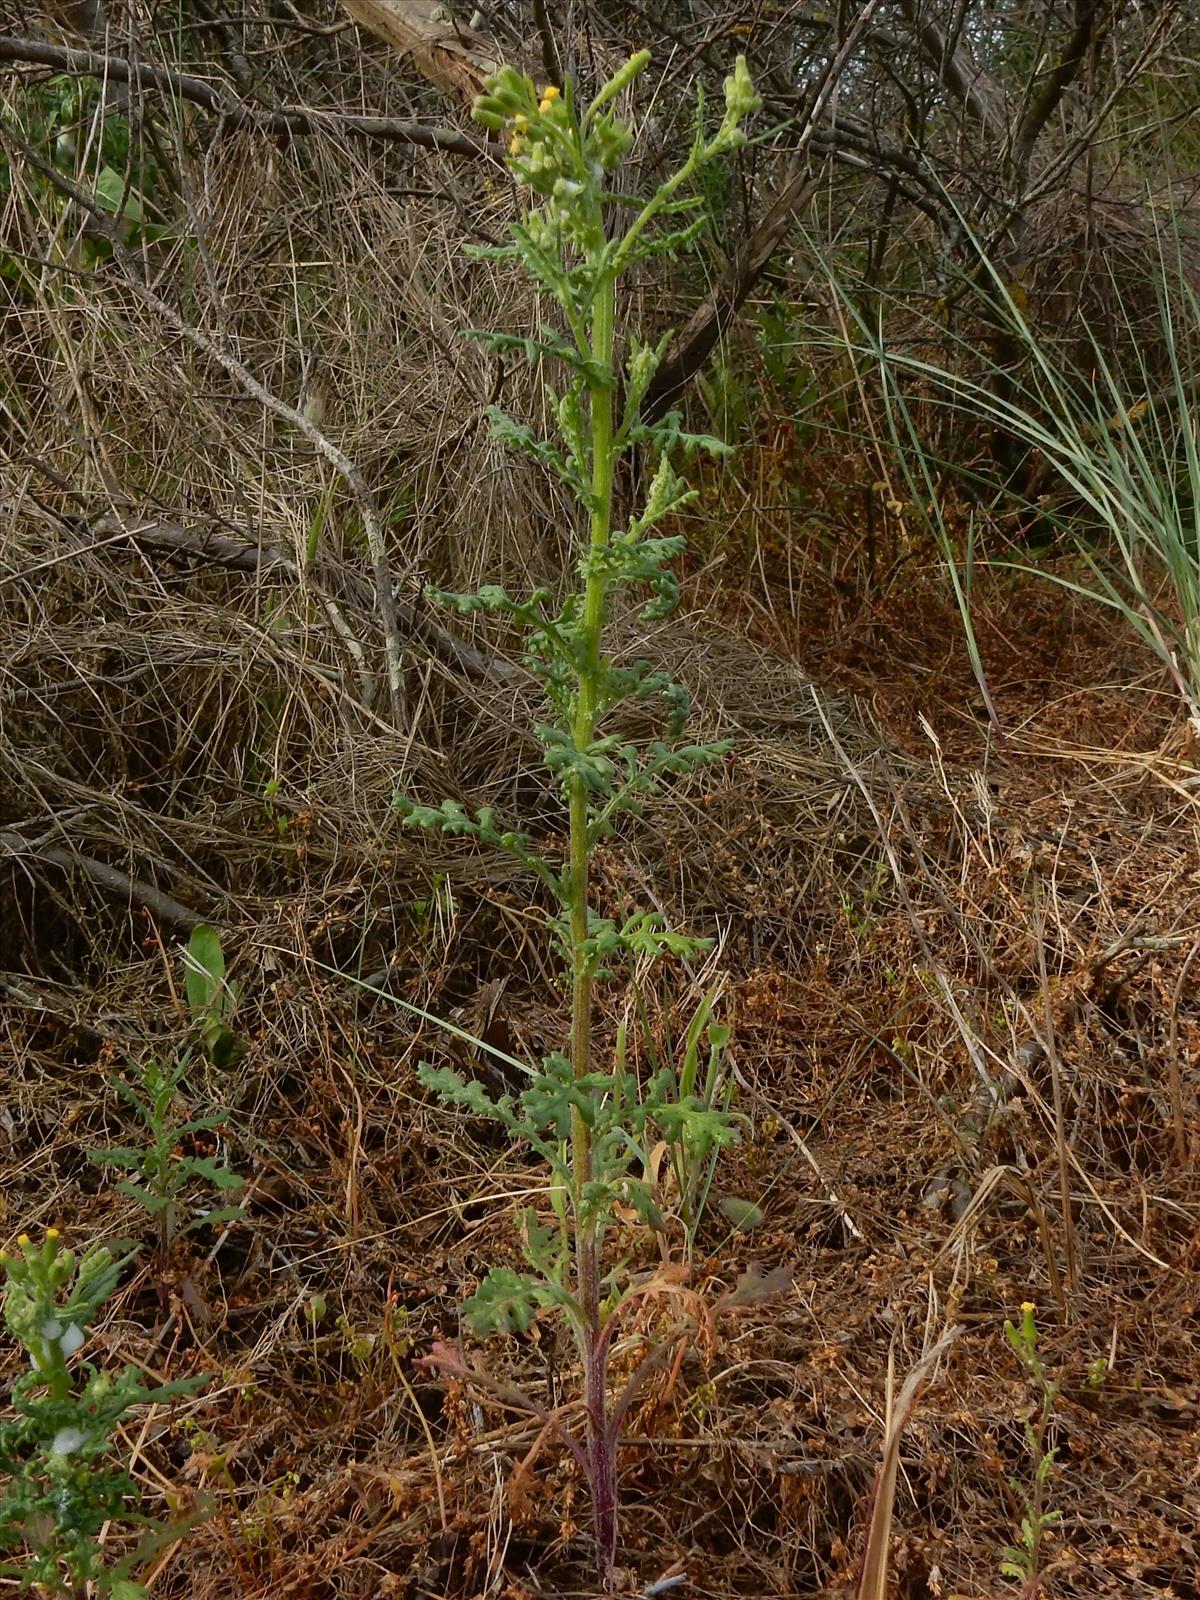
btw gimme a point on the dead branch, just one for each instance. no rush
(163, 906)
(282, 122)
(551, 61)
(692, 347)
(456, 60)
(960, 74)
(1091, 24)
(240, 555)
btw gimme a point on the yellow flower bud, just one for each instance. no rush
(1028, 1307)
(52, 1233)
(515, 144)
(549, 95)
(24, 1239)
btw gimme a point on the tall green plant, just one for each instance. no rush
(589, 1121)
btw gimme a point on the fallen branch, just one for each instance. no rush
(240, 555)
(164, 907)
(282, 122)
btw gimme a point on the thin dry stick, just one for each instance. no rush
(873, 1583)
(247, 558)
(1060, 1131)
(1174, 1073)
(245, 555)
(402, 1376)
(291, 120)
(341, 463)
(992, 1180)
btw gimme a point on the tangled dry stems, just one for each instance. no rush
(148, 696)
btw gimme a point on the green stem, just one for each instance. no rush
(651, 209)
(589, 676)
(587, 695)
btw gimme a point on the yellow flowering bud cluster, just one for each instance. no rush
(529, 119)
(520, 122)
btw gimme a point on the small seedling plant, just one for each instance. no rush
(211, 996)
(693, 1155)
(1023, 1561)
(61, 1474)
(162, 1173)
(592, 1122)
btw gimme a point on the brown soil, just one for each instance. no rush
(968, 1058)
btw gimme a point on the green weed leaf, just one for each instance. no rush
(505, 1302)
(742, 1215)
(456, 1090)
(205, 971)
(115, 194)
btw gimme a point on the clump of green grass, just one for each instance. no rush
(1118, 444)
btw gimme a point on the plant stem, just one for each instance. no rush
(600, 1452)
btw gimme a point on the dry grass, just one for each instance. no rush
(960, 978)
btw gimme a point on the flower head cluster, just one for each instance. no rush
(48, 1323)
(61, 1476)
(536, 125)
(567, 156)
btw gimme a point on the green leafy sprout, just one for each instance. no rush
(1022, 1561)
(61, 1474)
(211, 996)
(163, 1175)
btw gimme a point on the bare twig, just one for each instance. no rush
(974, 89)
(288, 120)
(827, 1190)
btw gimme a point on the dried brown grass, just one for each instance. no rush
(923, 1055)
